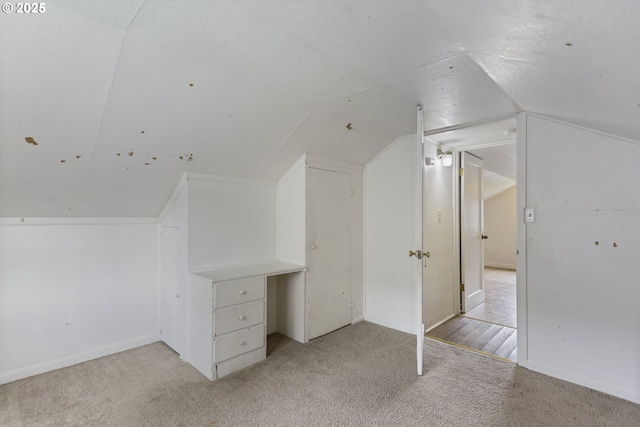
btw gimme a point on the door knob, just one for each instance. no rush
(417, 253)
(484, 237)
(427, 254)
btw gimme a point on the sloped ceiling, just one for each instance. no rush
(122, 97)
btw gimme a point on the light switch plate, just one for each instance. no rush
(529, 215)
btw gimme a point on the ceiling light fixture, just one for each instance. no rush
(446, 157)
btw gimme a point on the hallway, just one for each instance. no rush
(499, 304)
(491, 326)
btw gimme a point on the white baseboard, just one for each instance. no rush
(357, 320)
(503, 266)
(608, 388)
(74, 359)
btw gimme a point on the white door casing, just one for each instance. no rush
(328, 251)
(419, 235)
(471, 232)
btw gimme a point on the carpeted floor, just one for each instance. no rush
(361, 375)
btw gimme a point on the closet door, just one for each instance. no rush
(172, 309)
(328, 251)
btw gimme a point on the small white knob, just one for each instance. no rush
(243, 292)
(242, 343)
(242, 317)
(312, 246)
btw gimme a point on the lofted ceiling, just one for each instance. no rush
(104, 105)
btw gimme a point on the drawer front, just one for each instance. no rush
(238, 291)
(238, 317)
(239, 362)
(236, 343)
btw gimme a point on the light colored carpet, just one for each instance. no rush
(361, 375)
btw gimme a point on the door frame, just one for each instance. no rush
(521, 197)
(457, 205)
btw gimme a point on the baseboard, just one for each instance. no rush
(390, 325)
(502, 266)
(608, 388)
(357, 320)
(74, 359)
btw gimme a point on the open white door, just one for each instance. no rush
(393, 218)
(471, 232)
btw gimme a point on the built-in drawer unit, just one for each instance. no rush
(239, 342)
(237, 317)
(227, 321)
(239, 323)
(238, 291)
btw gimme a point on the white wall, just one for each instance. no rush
(291, 206)
(500, 226)
(74, 291)
(582, 264)
(231, 221)
(390, 292)
(439, 292)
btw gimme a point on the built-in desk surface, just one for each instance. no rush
(237, 272)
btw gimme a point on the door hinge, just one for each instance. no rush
(351, 192)
(352, 305)
(461, 171)
(461, 287)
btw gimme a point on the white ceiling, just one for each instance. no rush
(123, 96)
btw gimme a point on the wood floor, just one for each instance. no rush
(499, 298)
(490, 327)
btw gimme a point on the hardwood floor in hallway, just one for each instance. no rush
(477, 335)
(490, 327)
(499, 304)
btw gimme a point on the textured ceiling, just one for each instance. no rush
(122, 97)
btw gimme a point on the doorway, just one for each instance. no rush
(484, 318)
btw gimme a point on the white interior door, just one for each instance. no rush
(393, 218)
(328, 251)
(471, 232)
(172, 319)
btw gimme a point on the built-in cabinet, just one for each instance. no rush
(236, 310)
(309, 251)
(228, 322)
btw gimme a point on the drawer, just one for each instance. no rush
(238, 317)
(238, 291)
(236, 343)
(239, 362)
